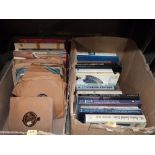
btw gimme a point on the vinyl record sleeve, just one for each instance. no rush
(31, 113)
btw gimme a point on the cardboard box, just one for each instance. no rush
(136, 77)
(6, 87)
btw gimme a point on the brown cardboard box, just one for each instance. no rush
(31, 113)
(6, 86)
(37, 81)
(136, 77)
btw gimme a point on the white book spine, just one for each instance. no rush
(97, 54)
(110, 107)
(94, 71)
(100, 92)
(133, 120)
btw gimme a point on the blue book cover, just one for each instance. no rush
(109, 102)
(81, 114)
(113, 59)
(110, 111)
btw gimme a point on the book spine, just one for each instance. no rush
(110, 96)
(99, 66)
(110, 111)
(115, 69)
(116, 92)
(39, 40)
(107, 97)
(20, 46)
(109, 102)
(110, 107)
(95, 88)
(114, 59)
(78, 71)
(139, 120)
(98, 73)
(96, 54)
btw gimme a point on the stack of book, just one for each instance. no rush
(98, 95)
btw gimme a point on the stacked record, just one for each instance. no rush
(39, 76)
(98, 95)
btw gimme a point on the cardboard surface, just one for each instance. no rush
(38, 81)
(136, 77)
(6, 86)
(31, 113)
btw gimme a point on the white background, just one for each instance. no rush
(77, 9)
(77, 145)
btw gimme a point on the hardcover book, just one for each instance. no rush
(109, 102)
(94, 58)
(99, 92)
(114, 66)
(97, 79)
(129, 120)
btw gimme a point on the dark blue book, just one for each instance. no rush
(83, 112)
(94, 58)
(109, 96)
(110, 111)
(114, 66)
(108, 102)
